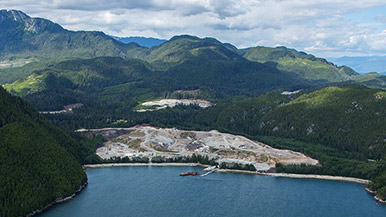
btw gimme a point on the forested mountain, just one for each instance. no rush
(142, 41)
(303, 64)
(35, 43)
(38, 162)
(288, 99)
(348, 118)
(23, 36)
(114, 77)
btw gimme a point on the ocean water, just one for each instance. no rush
(160, 191)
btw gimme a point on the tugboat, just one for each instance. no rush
(190, 174)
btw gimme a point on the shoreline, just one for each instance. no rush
(287, 175)
(376, 198)
(57, 201)
(94, 166)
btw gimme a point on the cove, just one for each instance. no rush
(160, 191)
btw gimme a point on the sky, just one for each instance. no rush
(325, 28)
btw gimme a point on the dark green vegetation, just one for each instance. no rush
(159, 159)
(346, 118)
(41, 38)
(45, 43)
(317, 70)
(142, 41)
(342, 126)
(300, 63)
(379, 185)
(38, 162)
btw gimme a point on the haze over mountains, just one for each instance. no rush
(287, 98)
(363, 64)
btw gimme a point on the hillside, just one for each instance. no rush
(347, 118)
(30, 44)
(184, 48)
(35, 43)
(36, 166)
(117, 81)
(39, 37)
(142, 41)
(300, 63)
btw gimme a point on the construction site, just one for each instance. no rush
(151, 142)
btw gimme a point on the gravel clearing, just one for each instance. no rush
(147, 141)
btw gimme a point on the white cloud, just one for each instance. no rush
(316, 26)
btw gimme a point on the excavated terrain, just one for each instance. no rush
(147, 141)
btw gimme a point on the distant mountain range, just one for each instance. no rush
(363, 64)
(142, 41)
(325, 111)
(40, 43)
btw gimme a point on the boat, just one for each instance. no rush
(210, 168)
(190, 174)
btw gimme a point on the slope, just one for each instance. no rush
(39, 42)
(142, 41)
(348, 118)
(300, 63)
(35, 165)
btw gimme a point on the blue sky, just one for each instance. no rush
(371, 17)
(326, 28)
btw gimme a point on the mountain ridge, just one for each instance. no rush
(140, 40)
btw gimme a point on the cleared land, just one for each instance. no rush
(165, 103)
(66, 109)
(147, 141)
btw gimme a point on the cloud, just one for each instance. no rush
(318, 27)
(381, 18)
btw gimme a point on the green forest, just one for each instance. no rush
(280, 96)
(38, 162)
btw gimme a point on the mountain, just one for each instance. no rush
(372, 79)
(35, 43)
(280, 96)
(190, 48)
(39, 37)
(125, 83)
(300, 63)
(363, 64)
(142, 41)
(329, 116)
(38, 162)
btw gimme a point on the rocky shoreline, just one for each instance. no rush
(375, 195)
(57, 201)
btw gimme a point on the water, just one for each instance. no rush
(160, 191)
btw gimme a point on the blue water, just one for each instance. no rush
(160, 191)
